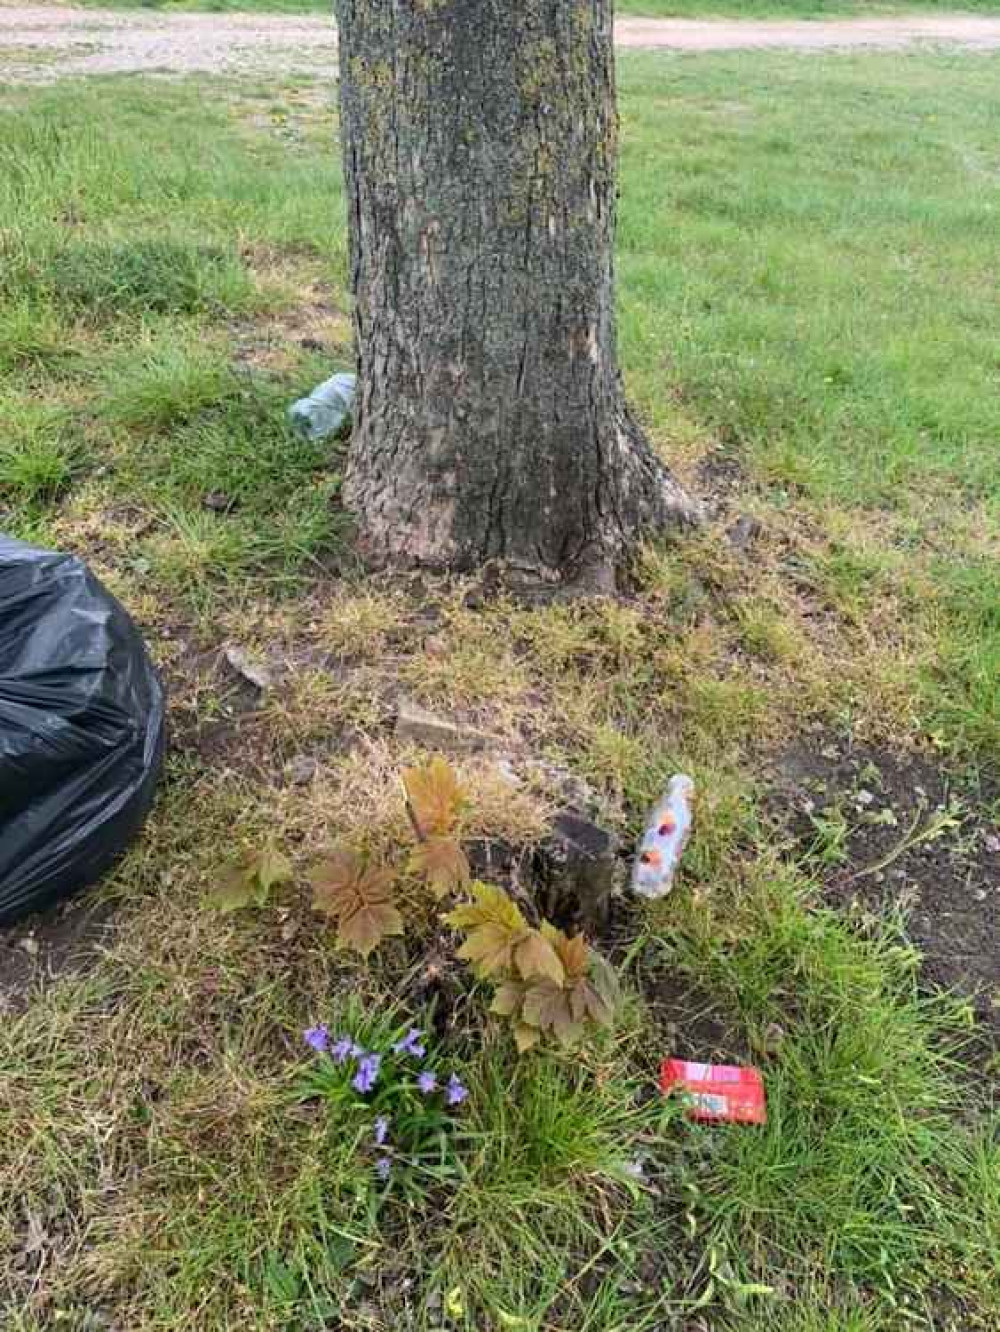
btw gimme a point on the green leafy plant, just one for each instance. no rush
(435, 801)
(359, 897)
(500, 941)
(549, 983)
(251, 879)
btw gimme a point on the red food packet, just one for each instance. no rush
(717, 1092)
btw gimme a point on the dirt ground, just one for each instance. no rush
(41, 43)
(899, 836)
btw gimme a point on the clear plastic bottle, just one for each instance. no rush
(325, 410)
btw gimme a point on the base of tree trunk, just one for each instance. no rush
(480, 147)
(404, 522)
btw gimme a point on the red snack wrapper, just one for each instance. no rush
(717, 1092)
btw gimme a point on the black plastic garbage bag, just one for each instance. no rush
(81, 728)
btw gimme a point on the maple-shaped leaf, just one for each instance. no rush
(490, 906)
(536, 957)
(605, 981)
(365, 928)
(434, 797)
(540, 1002)
(273, 868)
(233, 890)
(508, 999)
(585, 1002)
(525, 1037)
(574, 954)
(248, 880)
(443, 863)
(359, 897)
(490, 949)
(547, 1007)
(495, 928)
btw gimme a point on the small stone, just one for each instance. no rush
(992, 843)
(251, 668)
(427, 728)
(301, 769)
(436, 646)
(865, 797)
(29, 945)
(744, 532)
(774, 1038)
(218, 502)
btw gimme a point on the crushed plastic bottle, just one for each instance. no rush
(326, 409)
(667, 831)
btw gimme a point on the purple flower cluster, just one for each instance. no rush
(367, 1071)
(367, 1075)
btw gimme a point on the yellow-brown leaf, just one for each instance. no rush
(435, 797)
(537, 959)
(491, 906)
(525, 1037)
(490, 949)
(507, 999)
(343, 884)
(442, 862)
(542, 1002)
(365, 928)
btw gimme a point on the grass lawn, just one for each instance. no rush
(808, 257)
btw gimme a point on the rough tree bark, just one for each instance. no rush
(479, 142)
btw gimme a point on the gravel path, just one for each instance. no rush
(40, 43)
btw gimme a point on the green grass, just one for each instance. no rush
(807, 257)
(800, 9)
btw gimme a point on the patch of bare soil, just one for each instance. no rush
(902, 834)
(56, 943)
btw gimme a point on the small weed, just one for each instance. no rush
(829, 846)
(165, 385)
(104, 280)
(38, 455)
(32, 336)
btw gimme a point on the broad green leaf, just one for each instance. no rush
(490, 949)
(490, 906)
(274, 868)
(233, 891)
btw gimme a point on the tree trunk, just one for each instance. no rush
(479, 147)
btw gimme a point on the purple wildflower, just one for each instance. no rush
(427, 1082)
(381, 1130)
(410, 1044)
(345, 1049)
(367, 1075)
(317, 1037)
(382, 1167)
(456, 1093)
